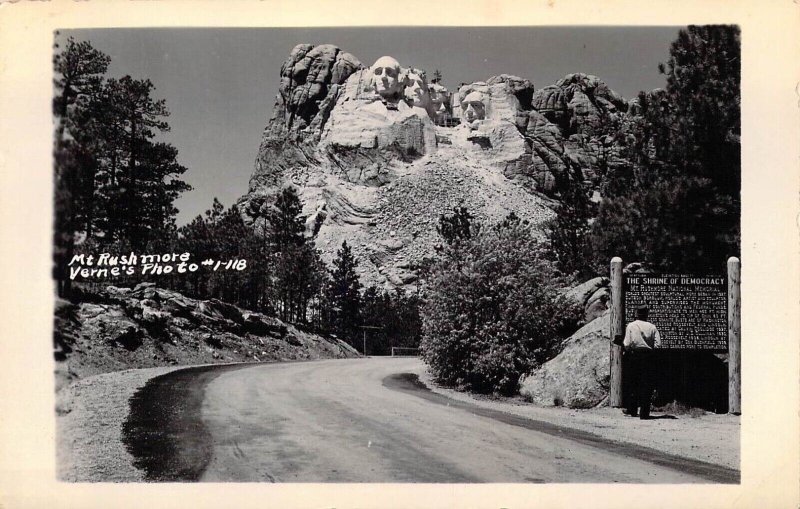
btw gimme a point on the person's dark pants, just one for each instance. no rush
(638, 379)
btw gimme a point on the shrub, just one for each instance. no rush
(492, 311)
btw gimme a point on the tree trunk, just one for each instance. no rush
(63, 114)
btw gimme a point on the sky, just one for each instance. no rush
(220, 83)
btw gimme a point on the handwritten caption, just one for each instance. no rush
(105, 265)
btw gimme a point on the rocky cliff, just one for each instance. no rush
(378, 154)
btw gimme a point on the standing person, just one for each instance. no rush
(641, 338)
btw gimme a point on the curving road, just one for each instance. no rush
(353, 421)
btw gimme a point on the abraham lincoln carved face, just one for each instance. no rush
(473, 107)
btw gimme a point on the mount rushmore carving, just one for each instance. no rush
(378, 153)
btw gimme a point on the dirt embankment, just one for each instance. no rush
(113, 329)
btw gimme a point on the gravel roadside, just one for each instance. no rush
(89, 417)
(712, 438)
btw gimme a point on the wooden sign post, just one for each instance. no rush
(734, 336)
(692, 312)
(617, 331)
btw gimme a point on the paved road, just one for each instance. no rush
(346, 421)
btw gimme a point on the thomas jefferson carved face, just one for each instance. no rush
(416, 91)
(386, 78)
(473, 107)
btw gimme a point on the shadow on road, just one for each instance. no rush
(164, 431)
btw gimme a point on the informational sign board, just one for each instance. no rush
(690, 312)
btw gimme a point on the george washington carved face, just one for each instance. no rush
(386, 78)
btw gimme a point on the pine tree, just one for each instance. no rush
(144, 163)
(287, 225)
(344, 294)
(293, 259)
(458, 226)
(115, 185)
(679, 207)
(311, 280)
(568, 233)
(78, 70)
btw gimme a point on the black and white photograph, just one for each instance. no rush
(435, 256)
(421, 256)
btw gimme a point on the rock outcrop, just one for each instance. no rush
(121, 328)
(307, 77)
(593, 295)
(310, 78)
(378, 154)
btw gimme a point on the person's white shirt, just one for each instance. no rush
(641, 335)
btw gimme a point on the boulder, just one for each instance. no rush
(578, 377)
(219, 310)
(178, 305)
(581, 293)
(391, 244)
(117, 291)
(142, 286)
(115, 329)
(593, 296)
(597, 304)
(407, 276)
(260, 325)
(154, 316)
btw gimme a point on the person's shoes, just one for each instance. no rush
(644, 417)
(629, 413)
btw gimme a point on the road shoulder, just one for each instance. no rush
(89, 416)
(709, 438)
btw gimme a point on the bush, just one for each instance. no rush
(492, 311)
